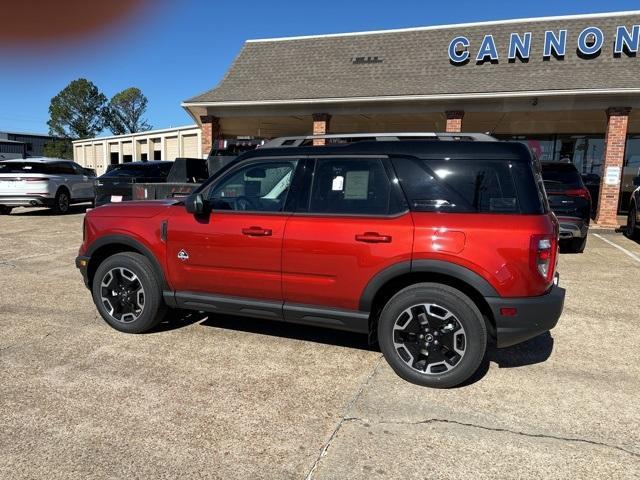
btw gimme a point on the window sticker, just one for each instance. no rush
(357, 185)
(338, 183)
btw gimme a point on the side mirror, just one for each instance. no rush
(636, 181)
(195, 204)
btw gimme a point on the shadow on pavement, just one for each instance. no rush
(536, 350)
(289, 330)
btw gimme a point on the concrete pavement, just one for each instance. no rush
(221, 397)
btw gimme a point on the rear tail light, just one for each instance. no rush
(578, 192)
(543, 252)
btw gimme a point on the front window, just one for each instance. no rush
(256, 187)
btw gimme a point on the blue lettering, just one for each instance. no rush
(487, 49)
(556, 43)
(518, 46)
(456, 57)
(626, 39)
(595, 47)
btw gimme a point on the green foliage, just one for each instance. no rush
(78, 111)
(125, 111)
(59, 149)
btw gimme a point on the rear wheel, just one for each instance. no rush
(4, 210)
(432, 335)
(127, 293)
(62, 201)
(632, 226)
(577, 245)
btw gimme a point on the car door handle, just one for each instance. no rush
(373, 237)
(257, 232)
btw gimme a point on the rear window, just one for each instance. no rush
(469, 185)
(560, 175)
(140, 171)
(25, 167)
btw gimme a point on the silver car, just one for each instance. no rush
(44, 182)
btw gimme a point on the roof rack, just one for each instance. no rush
(306, 140)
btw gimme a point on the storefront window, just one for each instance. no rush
(630, 170)
(585, 151)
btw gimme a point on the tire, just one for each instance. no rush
(577, 245)
(441, 300)
(4, 210)
(126, 310)
(62, 201)
(632, 226)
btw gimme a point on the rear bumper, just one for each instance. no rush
(26, 200)
(573, 227)
(535, 315)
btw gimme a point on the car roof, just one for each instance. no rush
(139, 164)
(37, 160)
(418, 148)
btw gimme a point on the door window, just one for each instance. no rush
(256, 187)
(352, 186)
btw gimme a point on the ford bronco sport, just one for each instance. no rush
(431, 244)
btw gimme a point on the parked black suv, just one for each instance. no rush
(117, 184)
(570, 201)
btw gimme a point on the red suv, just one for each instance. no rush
(430, 246)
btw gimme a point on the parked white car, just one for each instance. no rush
(44, 182)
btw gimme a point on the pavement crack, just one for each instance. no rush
(496, 429)
(345, 417)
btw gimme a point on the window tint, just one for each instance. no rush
(256, 187)
(469, 186)
(140, 171)
(63, 168)
(352, 186)
(560, 175)
(24, 167)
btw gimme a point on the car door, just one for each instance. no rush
(354, 223)
(83, 182)
(235, 250)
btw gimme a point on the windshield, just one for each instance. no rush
(129, 171)
(561, 175)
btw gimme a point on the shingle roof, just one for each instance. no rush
(415, 62)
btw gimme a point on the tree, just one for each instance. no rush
(60, 148)
(125, 110)
(78, 111)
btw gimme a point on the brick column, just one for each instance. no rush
(210, 131)
(454, 121)
(614, 144)
(320, 126)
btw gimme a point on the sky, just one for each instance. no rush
(175, 49)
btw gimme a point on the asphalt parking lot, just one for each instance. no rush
(222, 397)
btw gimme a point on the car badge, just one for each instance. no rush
(183, 255)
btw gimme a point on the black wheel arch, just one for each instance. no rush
(109, 245)
(394, 278)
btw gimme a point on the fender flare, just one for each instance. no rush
(133, 244)
(426, 266)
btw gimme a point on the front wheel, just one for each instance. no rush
(127, 293)
(432, 335)
(632, 226)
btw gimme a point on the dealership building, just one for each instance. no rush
(568, 86)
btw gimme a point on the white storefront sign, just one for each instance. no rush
(612, 176)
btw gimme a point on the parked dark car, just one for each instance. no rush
(570, 200)
(633, 214)
(117, 184)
